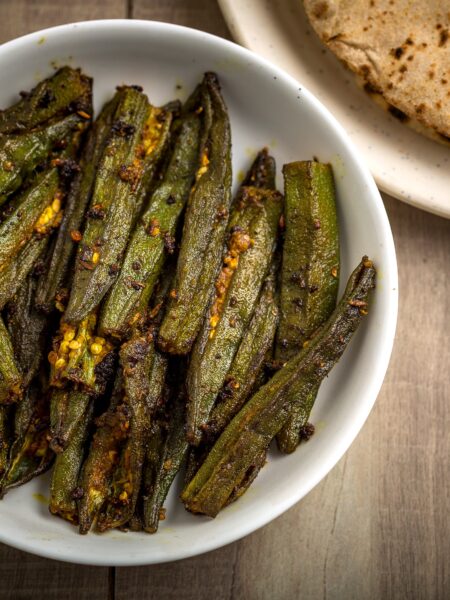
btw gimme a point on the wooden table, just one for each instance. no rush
(378, 526)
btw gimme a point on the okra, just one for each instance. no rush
(21, 154)
(248, 362)
(5, 438)
(154, 235)
(64, 489)
(37, 209)
(165, 454)
(251, 243)
(18, 269)
(254, 468)
(27, 328)
(55, 278)
(310, 271)
(258, 422)
(11, 378)
(66, 91)
(33, 455)
(129, 159)
(104, 452)
(68, 407)
(204, 227)
(144, 374)
(78, 354)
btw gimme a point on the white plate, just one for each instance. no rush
(266, 107)
(404, 163)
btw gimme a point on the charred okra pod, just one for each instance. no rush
(164, 457)
(310, 271)
(66, 91)
(252, 234)
(104, 452)
(30, 455)
(5, 438)
(11, 379)
(253, 428)
(138, 137)
(64, 489)
(27, 329)
(248, 362)
(52, 282)
(204, 227)
(144, 374)
(67, 408)
(37, 210)
(154, 235)
(18, 269)
(21, 154)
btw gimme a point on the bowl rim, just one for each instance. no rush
(390, 271)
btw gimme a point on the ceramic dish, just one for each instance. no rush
(266, 107)
(404, 163)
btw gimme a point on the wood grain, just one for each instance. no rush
(18, 17)
(377, 526)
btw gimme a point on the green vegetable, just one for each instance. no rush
(164, 456)
(67, 408)
(30, 455)
(253, 428)
(21, 154)
(248, 362)
(18, 269)
(11, 379)
(103, 456)
(139, 136)
(52, 282)
(204, 227)
(65, 91)
(27, 328)
(144, 375)
(310, 271)
(252, 238)
(28, 216)
(154, 235)
(63, 488)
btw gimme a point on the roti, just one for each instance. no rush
(400, 49)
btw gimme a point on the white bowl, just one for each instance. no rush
(267, 107)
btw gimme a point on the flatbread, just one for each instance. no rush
(399, 48)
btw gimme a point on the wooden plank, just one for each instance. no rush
(24, 16)
(200, 14)
(25, 577)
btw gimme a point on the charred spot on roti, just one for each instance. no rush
(398, 114)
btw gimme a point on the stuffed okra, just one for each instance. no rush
(138, 137)
(310, 271)
(252, 235)
(253, 428)
(204, 226)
